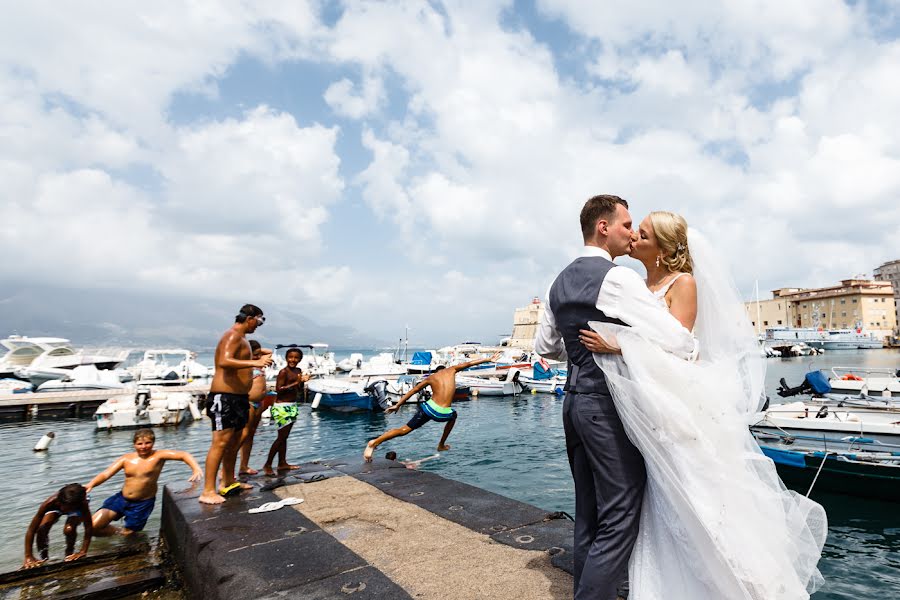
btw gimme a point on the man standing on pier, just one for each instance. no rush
(228, 404)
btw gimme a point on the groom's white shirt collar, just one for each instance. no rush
(595, 251)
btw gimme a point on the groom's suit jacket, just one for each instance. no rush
(593, 288)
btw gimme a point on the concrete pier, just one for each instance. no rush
(375, 530)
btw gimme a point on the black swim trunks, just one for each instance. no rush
(228, 411)
(429, 411)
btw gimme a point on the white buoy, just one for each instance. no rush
(195, 412)
(44, 442)
(316, 399)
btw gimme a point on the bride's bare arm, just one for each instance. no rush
(682, 299)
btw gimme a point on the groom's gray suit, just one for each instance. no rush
(608, 470)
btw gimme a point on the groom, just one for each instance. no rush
(608, 470)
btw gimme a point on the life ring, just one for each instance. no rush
(851, 377)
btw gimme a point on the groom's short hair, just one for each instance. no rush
(596, 208)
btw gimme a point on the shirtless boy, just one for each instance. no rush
(229, 402)
(443, 386)
(70, 500)
(135, 501)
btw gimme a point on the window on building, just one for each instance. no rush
(779, 321)
(823, 315)
(804, 306)
(753, 323)
(765, 323)
(855, 300)
(882, 299)
(843, 301)
(843, 313)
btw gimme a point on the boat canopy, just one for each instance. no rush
(421, 358)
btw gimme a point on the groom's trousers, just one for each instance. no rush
(609, 479)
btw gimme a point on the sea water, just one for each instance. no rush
(510, 445)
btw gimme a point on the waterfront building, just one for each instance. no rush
(525, 324)
(861, 304)
(890, 271)
(774, 312)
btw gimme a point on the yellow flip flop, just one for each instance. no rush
(232, 490)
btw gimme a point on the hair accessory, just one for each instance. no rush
(680, 246)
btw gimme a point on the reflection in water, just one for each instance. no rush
(513, 447)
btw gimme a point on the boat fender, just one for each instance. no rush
(316, 399)
(851, 377)
(195, 412)
(44, 443)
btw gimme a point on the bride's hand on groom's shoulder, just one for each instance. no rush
(595, 343)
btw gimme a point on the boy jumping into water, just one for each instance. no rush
(443, 386)
(138, 495)
(70, 500)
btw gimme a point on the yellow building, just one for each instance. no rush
(525, 325)
(890, 271)
(855, 304)
(770, 313)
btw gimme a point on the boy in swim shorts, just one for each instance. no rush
(138, 495)
(443, 386)
(70, 500)
(289, 387)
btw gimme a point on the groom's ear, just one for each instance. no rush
(602, 228)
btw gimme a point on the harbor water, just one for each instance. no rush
(512, 446)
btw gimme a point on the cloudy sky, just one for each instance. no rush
(383, 164)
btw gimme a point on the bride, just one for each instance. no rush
(716, 523)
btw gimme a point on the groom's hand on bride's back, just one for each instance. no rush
(595, 343)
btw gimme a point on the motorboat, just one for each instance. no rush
(81, 378)
(354, 361)
(507, 384)
(544, 379)
(382, 364)
(169, 364)
(422, 362)
(821, 425)
(847, 339)
(867, 473)
(316, 361)
(19, 352)
(146, 408)
(348, 395)
(865, 380)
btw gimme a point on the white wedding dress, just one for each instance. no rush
(717, 523)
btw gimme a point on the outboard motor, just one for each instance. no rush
(141, 401)
(378, 391)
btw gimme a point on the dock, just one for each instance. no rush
(377, 530)
(27, 406)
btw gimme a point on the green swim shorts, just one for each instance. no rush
(284, 413)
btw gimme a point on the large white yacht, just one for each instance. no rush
(49, 353)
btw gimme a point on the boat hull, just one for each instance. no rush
(838, 475)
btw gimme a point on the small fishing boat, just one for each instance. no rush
(505, 385)
(544, 379)
(146, 408)
(347, 395)
(855, 380)
(380, 365)
(824, 422)
(865, 474)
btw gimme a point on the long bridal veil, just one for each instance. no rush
(717, 522)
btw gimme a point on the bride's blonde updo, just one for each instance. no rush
(671, 235)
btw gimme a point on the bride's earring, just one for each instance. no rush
(657, 261)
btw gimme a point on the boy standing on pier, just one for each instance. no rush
(70, 500)
(229, 403)
(138, 495)
(443, 386)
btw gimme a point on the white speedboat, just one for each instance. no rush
(865, 381)
(505, 385)
(14, 386)
(316, 361)
(818, 423)
(380, 365)
(146, 408)
(19, 352)
(79, 379)
(169, 364)
(355, 361)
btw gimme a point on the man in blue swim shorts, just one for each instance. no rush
(443, 387)
(138, 495)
